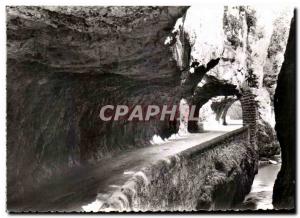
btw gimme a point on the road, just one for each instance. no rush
(81, 186)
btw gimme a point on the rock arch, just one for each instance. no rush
(213, 89)
(205, 93)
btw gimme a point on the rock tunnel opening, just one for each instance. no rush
(233, 112)
(228, 94)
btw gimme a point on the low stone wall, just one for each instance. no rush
(214, 175)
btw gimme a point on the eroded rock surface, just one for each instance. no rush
(285, 114)
(249, 43)
(63, 65)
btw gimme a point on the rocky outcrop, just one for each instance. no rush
(267, 142)
(248, 43)
(285, 114)
(276, 50)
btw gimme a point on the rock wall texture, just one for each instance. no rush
(285, 114)
(248, 42)
(212, 176)
(63, 65)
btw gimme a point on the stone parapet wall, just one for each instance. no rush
(214, 175)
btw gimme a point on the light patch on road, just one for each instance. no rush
(129, 173)
(93, 207)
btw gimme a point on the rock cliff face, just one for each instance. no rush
(63, 65)
(248, 43)
(285, 114)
